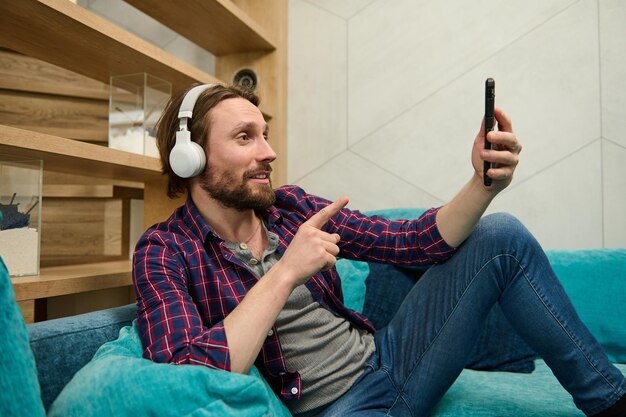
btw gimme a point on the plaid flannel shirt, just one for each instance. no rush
(187, 281)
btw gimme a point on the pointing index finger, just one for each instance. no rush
(320, 218)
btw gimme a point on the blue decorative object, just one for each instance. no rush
(11, 218)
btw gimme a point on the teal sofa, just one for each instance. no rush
(50, 367)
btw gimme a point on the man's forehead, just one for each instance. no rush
(244, 125)
(237, 112)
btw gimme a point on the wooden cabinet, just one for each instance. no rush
(240, 33)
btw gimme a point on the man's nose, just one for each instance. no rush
(266, 152)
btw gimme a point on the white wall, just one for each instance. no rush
(386, 96)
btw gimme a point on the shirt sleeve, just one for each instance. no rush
(170, 327)
(405, 242)
(378, 239)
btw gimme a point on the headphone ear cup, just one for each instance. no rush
(187, 158)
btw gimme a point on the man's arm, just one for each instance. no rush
(169, 323)
(457, 218)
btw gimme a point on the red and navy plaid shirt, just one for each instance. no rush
(187, 281)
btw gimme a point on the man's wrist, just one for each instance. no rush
(283, 277)
(483, 194)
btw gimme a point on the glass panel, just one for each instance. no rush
(20, 208)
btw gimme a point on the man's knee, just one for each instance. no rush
(502, 230)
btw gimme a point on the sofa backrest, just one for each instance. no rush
(595, 281)
(63, 346)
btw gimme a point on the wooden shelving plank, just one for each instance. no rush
(23, 73)
(75, 157)
(65, 34)
(218, 26)
(63, 280)
(90, 191)
(48, 261)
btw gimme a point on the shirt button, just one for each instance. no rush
(271, 332)
(243, 246)
(294, 390)
(253, 261)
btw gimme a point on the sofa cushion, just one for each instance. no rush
(488, 394)
(594, 279)
(119, 382)
(353, 274)
(19, 389)
(63, 346)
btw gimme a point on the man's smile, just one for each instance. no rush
(259, 176)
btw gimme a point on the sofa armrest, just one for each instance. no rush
(63, 346)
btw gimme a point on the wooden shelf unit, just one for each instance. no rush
(70, 156)
(231, 30)
(72, 279)
(74, 157)
(65, 34)
(250, 33)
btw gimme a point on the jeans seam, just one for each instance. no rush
(399, 395)
(584, 353)
(436, 336)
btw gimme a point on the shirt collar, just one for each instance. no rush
(192, 218)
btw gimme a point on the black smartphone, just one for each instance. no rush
(490, 99)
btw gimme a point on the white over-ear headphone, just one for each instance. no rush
(187, 158)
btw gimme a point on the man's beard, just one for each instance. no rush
(240, 195)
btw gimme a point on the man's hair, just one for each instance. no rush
(199, 126)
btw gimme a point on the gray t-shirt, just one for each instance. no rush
(327, 350)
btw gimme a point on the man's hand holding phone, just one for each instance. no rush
(490, 101)
(496, 152)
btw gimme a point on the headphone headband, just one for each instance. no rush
(189, 101)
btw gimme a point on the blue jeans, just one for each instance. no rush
(426, 345)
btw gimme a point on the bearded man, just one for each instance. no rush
(243, 274)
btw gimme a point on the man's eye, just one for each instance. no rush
(244, 137)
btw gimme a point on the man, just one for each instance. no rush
(243, 274)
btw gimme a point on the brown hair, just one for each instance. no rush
(198, 125)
